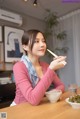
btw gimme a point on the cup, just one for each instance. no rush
(72, 89)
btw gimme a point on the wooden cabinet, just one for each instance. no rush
(7, 91)
(7, 94)
(2, 66)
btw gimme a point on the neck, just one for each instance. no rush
(34, 60)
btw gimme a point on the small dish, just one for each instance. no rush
(73, 104)
(53, 95)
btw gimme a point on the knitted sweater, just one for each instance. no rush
(24, 90)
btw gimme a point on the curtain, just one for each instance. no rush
(76, 44)
(71, 24)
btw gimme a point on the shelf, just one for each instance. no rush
(2, 65)
(6, 73)
(7, 94)
(7, 91)
(6, 103)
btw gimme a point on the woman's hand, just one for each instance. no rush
(58, 63)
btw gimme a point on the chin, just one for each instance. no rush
(41, 55)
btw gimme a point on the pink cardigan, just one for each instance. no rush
(24, 90)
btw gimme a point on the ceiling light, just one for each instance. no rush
(35, 3)
(25, 0)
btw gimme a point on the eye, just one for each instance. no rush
(36, 41)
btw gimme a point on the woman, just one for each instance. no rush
(32, 77)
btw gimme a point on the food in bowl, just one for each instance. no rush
(53, 95)
(74, 101)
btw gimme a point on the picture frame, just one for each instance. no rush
(0, 33)
(12, 43)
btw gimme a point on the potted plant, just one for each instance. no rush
(51, 21)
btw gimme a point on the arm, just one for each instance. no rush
(32, 95)
(55, 65)
(58, 84)
(56, 81)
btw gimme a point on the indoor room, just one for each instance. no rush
(52, 55)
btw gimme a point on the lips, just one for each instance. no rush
(42, 50)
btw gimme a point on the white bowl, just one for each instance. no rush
(53, 95)
(73, 104)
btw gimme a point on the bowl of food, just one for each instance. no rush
(74, 101)
(53, 95)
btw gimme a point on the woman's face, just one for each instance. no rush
(39, 47)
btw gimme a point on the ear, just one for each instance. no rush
(25, 47)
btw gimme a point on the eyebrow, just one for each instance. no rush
(39, 38)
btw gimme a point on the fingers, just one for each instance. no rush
(64, 62)
(58, 63)
(60, 58)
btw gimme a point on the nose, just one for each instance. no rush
(41, 43)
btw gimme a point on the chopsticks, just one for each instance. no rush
(52, 53)
(55, 55)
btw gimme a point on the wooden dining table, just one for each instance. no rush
(46, 110)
